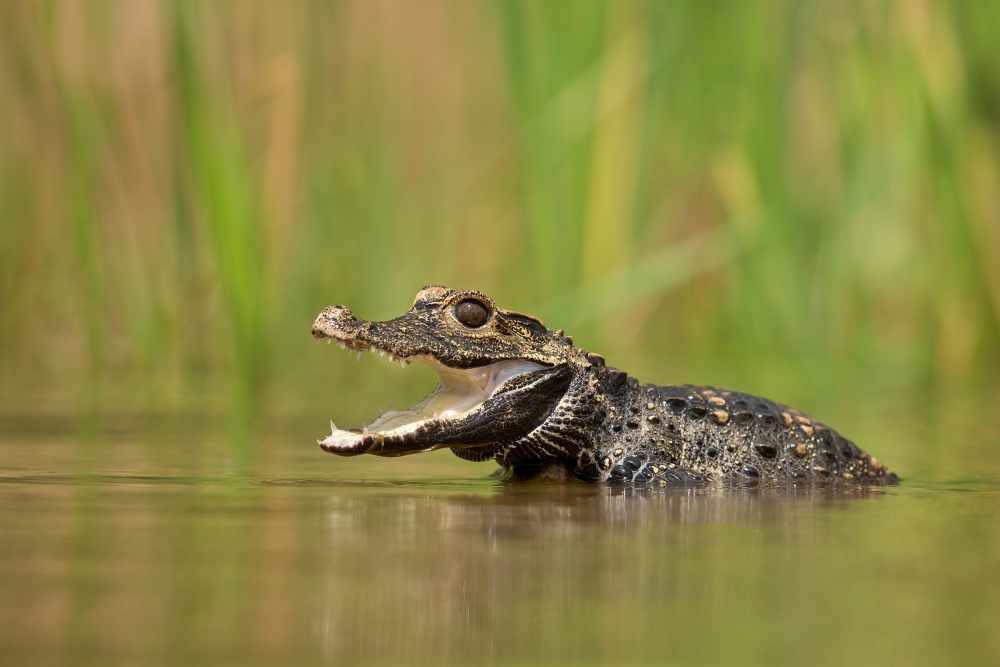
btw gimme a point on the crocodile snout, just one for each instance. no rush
(331, 321)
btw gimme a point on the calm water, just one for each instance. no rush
(143, 541)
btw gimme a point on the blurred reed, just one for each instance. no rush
(771, 193)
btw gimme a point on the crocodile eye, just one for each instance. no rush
(472, 313)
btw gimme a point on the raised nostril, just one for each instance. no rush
(331, 319)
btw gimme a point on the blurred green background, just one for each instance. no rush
(799, 199)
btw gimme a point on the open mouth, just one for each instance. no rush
(460, 394)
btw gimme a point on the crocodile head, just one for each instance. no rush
(502, 374)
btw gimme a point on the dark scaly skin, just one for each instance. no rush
(577, 417)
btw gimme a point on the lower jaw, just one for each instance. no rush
(464, 392)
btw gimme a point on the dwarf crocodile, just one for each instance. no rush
(514, 391)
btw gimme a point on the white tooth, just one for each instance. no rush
(328, 341)
(364, 432)
(402, 363)
(381, 353)
(391, 358)
(342, 346)
(372, 349)
(359, 355)
(333, 427)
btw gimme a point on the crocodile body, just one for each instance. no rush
(515, 392)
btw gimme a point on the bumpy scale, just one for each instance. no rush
(513, 391)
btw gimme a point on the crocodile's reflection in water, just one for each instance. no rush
(492, 560)
(544, 509)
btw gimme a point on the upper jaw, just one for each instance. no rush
(337, 323)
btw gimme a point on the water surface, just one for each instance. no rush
(145, 540)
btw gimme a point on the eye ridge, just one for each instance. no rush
(472, 313)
